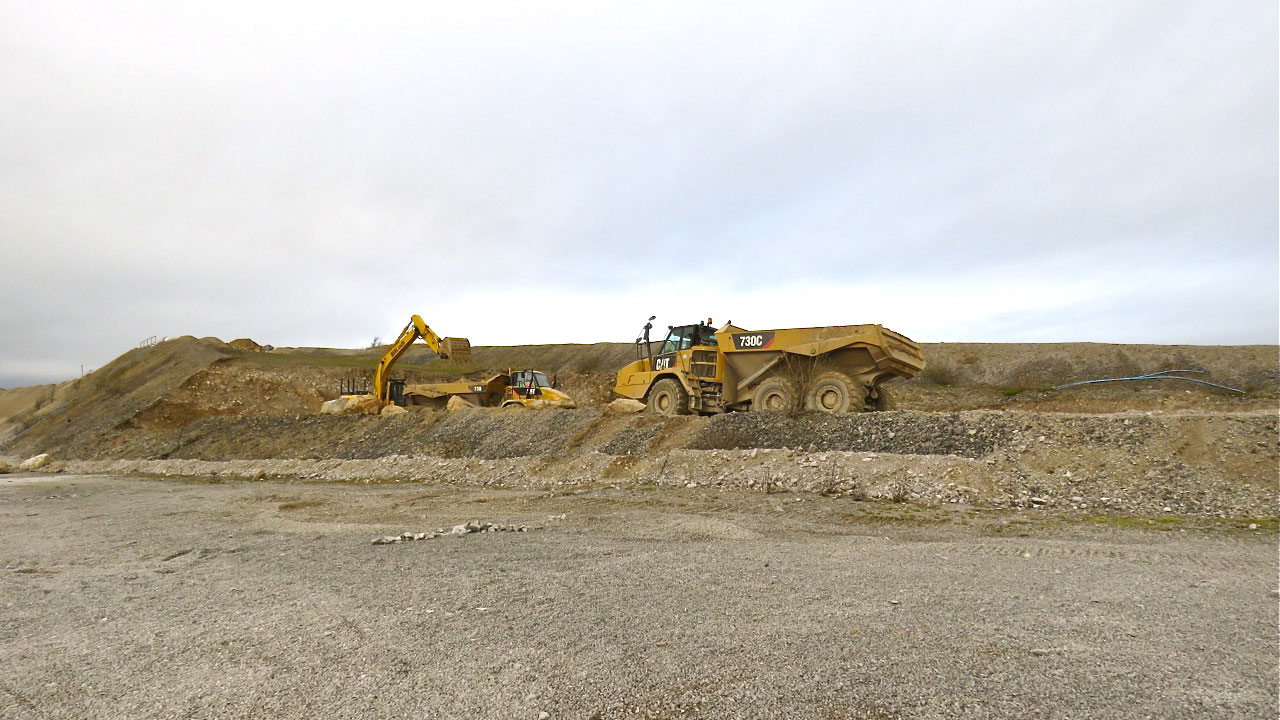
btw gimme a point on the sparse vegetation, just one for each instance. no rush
(899, 492)
(939, 375)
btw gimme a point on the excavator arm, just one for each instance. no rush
(457, 348)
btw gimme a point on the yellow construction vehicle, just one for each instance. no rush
(704, 370)
(513, 389)
(386, 391)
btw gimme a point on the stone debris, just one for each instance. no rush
(474, 526)
(5, 466)
(34, 462)
(456, 403)
(1086, 464)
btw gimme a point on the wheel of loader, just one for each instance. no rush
(668, 398)
(835, 392)
(776, 394)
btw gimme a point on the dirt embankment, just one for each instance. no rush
(1190, 463)
(182, 381)
(980, 425)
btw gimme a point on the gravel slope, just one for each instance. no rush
(157, 599)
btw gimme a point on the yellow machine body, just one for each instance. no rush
(516, 388)
(699, 369)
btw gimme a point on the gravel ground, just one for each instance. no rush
(136, 598)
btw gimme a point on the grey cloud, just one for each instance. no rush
(305, 173)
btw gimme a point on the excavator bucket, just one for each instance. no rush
(457, 349)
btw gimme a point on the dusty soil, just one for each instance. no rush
(128, 597)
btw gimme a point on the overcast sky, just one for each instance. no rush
(532, 172)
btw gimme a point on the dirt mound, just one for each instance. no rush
(246, 345)
(110, 397)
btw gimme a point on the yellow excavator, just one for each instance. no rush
(387, 391)
(456, 349)
(515, 388)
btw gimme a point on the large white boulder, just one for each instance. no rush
(5, 466)
(393, 410)
(334, 407)
(35, 462)
(457, 403)
(625, 405)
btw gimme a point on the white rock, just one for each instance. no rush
(393, 410)
(5, 467)
(625, 405)
(34, 462)
(456, 403)
(333, 407)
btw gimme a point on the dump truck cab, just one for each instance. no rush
(684, 369)
(704, 370)
(531, 388)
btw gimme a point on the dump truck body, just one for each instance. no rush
(831, 369)
(520, 388)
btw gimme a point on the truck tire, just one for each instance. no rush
(834, 392)
(775, 394)
(667, 397)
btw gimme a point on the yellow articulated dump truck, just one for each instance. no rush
(704, 370)
(514, 389)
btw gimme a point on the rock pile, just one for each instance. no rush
(474, 526)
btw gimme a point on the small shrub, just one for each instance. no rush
(898, 492)
(939, 375)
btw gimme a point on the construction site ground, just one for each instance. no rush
(199, 544)
(142, 597)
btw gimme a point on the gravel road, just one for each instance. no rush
(139, 598)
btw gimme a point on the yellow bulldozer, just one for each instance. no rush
(704, 370)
